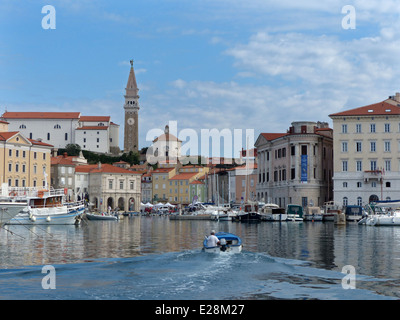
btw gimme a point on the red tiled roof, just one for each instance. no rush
(41, 115)
(162, 170)
(380, 108)
(196, 182)
(95, 118)
(4, 136)
(105, 168)
(273, 136)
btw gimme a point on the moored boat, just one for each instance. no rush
(44, 206)
(228, 243)
(272, 212)
(353, 213)
(294, 212)
(8, 210)
(313, 214)
(92, 216)
(249, 214)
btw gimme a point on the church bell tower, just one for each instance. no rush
(131, 133)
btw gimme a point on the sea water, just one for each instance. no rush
(159, 259)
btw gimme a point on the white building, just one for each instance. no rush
(367, 153)
(92, 133)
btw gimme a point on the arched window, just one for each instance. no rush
(22, 126)
(57, 126)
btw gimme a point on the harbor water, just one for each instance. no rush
(158, 258)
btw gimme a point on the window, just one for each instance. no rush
(359, 184)
(57, 126)
(10, 153)
(344, 165)
(359, 201)
(345, 201)
(66, 136)
(110, 184)
(372, 146)
(344, 128)
(23, 154)
(35, 155)
(358, 146)
(372, 127)
(359, 165)
(9, 167)
(344, 146)
(132, 185)
(387, 127)
(373, 165)
(22, 126)
(387, 146)
(388, 165)
(121, 184)
(292, 173)
(344, 184)
(358, 128)
(48, 136)
(388, 185)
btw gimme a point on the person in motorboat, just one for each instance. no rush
(212, 240)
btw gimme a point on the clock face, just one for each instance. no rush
(130, 121)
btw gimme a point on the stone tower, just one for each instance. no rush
(131, 133)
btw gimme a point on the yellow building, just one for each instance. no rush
(23, 162)
(160, 178)
(179, 184)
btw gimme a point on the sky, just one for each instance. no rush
(220, 64)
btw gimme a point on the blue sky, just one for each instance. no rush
(206, 64)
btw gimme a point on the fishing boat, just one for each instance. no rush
(44, 206)
(228, 243)
(92, 216)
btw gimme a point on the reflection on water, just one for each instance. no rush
(374, 251)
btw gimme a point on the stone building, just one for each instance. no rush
(296, 167)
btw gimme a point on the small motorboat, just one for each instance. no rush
(228, 243)
(92, 216)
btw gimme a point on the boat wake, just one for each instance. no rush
(190, 275)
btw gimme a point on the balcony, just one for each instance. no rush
(372, 175)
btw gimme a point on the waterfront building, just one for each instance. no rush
(25, 162)
(97, 134)
(367, 153)
(112, 187)
(160, 178)
(297, 166)
(147, 188)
